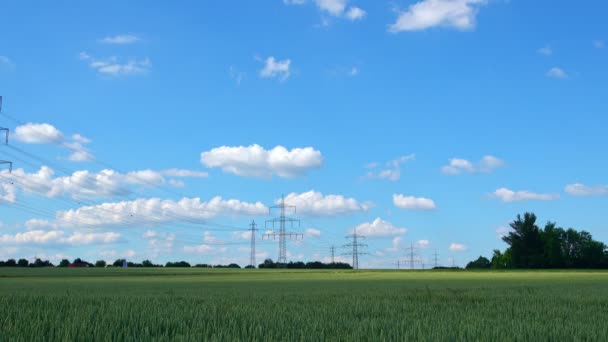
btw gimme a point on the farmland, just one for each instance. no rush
(201, 304)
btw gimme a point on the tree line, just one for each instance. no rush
(78, 262)
(533, 247)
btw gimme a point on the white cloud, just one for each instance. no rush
(355, 13)
(395, 244)
(154, 210)
(393, 170)
(276, 69)
(487, 164)
(184, 173)
(546, 50)
(113, 67)
(333, 7)
(354, 71)
(456, 247)
(204, 249)
(58, 237)
(314, 203)
(379, 228)
(557, 73)
(425, 14)
(423, 243)
(255, 161)
(83, 184)
(236, 75)
(44, 133)
(129, 253)
(507, 195)
(312, 232)
(579, 189)
(121, 39)
(36, 133)
(413, 203)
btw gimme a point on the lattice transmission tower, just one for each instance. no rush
(355, 245)
(6, 131)
(282, 234)
(252, 229)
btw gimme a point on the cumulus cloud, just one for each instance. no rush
(507, 195)
(158, 211)
(314, 203)
(58, 237)
(456, 247)
(599, 44)
(129, 253)
(204, 249)
(423, 243)
(395, 244)
(276, 69)
(312, 232)
(413, 203)
(112, 66)
(379, 228)
(487, 164)
(334, 8)
(83, 184)
(355, 13)
(582, 190)
(426, 14)
(393, 168)
(501, 232)
(44, 133)
(558, 73)
(255, 161)
(121, 39)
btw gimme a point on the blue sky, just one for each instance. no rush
(160, 131)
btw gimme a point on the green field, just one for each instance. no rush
(281, 305)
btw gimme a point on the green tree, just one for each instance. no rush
(481, 262)
(100, 263)
(23, 263)
(64, 263)
(525, 242)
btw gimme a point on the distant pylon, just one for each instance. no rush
(412, 249)
(355, 248)
(252, 229)
(436, 259)
(6, 130)
(282, 234)
(333, 252)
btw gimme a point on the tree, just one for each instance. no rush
(481, 262)
(100, 263)
(64, 263)
(119, 262)
(268, 263)
(553, 250)
(526, 242)
(23, 263)
(147, 263)
(10, 263)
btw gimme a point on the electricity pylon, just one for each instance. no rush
(412, 250)
(252, 229)
(333, 252)
(2, 129)
(282, 234)
(355, 245)
(436, 259)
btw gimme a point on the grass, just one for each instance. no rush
(272, 305)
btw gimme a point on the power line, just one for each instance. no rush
(252, 229)
(282, 234)
(355, 245)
